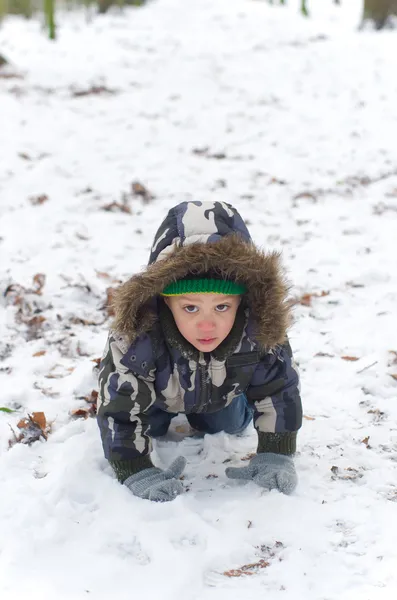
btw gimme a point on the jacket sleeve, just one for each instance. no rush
(122, 399)
(275, 393)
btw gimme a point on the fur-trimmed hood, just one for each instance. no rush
(196, 237)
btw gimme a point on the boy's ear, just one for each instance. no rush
(166, 300)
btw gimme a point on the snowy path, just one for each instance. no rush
(292, 121)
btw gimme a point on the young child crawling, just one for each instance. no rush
(201, 331)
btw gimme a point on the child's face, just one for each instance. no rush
(205, 320)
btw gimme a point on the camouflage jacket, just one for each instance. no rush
(147, 361)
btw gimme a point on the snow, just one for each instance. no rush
(304, 111)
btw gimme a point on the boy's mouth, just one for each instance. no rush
(206, 340)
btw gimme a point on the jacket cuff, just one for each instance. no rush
(125, 468)
(279, 443)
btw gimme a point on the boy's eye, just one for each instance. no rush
(222, 307)
(190, 308)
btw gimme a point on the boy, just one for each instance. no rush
(201, 331)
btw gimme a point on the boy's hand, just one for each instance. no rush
(268, 470)
(156, 484)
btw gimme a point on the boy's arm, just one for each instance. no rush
(274, 391)
(122, 400)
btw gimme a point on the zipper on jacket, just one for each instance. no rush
(203, 383)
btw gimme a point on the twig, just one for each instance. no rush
(368, 367)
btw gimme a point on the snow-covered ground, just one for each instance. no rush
(294, 122)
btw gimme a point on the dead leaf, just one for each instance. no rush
(351, 358)
(365, 441)
(40, 199)
(306, 299)
(211, 476)
(352, 284)
(206, 153)
(394, 375)
(32, 429)
(46, 391)
(325, 354)
(138, 189)
(309, 418)
(34, 327)
(306, 196)
(348, 474)
(81, 412)
(81, 236)
(40, 353)
(94, 90)
(116, 207)
(80, 321)
(40, 420)
(89, 411)
(102, 274)
(14, 294)
(249, 569)
(38, 282)
(24, 156)
(55, 373)
(10, 76)
(248, 456)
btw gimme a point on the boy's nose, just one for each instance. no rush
(206, 326)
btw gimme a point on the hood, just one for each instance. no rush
(196, 237)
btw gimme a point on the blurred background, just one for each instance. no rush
(378, 14)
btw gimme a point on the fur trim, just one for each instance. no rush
(233, 258)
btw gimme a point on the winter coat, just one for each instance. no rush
(148, 362)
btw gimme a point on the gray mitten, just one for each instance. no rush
(269, 470)
(156, 484)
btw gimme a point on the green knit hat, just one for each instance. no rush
(204, 286)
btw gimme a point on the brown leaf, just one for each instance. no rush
(34, 325)
(40, 353)
(93, 397)
(94, 90)
(394, 375)
(102, 274)
(10, 76)
(248, 456)
(351, 358)
(140, 190)
(40, 420)
(365, 441)
(38, 281)
(32, 429)
(80, 321)
(309, 418)
(247, 569)
(37, 200)
(351, 475)
(306, 299)
(81, 412)
(89, 411)
(14, 294)
(24, 156)
(306, 195)
(116, 207)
